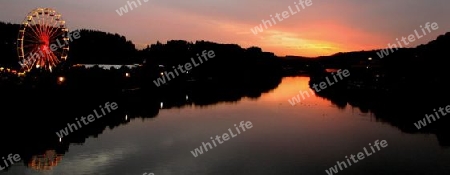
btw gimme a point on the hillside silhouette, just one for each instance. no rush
(233, 62)
(426, 62)
(97, 47)
(8, 38)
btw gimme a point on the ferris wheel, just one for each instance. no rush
(43, 40)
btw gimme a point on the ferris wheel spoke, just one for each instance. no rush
(45, 29)
(39, 62)
(45, 26)
(53, 30)
(33, 52)
(29, 60)
(32, 36)
(55, 36)
(29, 46)
(43, 22)
(47, 58)
(31, 39)
(55, 60)
(56, 33)
(41, 26)
(46, 23)
(29, 63)
(35, 30)
(52, 26)
(38, 26)
(34, 27)
(56, 27)
(49, 27)
(51, 56)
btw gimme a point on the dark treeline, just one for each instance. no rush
(426, 56)
(93, 47)
(297, 65)
(427, 62)
(231, 61)
(8, 47)
(96, 47)
(407, 73)
(411, 73)
(237, 66)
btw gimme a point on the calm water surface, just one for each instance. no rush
(304, 139)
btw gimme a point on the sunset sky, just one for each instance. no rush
(324, 28)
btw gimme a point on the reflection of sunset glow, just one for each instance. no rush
(291, 87)
(46, 161)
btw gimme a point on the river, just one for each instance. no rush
(307, 138)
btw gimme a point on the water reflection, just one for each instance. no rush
(43, 112)
(46, 112)
(400, 109)
(46, 161)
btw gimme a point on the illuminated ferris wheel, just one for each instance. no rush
(43, 40)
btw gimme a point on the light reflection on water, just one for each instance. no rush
(303, 139)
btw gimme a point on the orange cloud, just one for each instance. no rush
(314, 39)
